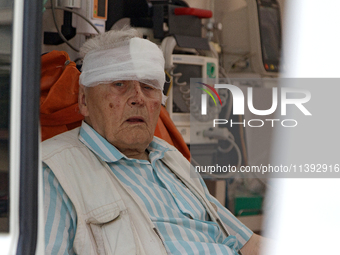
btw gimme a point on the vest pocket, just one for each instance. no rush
(112, 233)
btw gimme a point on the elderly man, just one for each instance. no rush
(111, 187)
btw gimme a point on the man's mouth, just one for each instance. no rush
(135, 120)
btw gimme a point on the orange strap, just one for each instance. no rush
(167, 130)
(59, 110)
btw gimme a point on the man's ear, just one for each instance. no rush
(83, 109)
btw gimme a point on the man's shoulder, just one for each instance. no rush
(67, 137)
(60, 142)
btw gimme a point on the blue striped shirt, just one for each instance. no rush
(180, 218)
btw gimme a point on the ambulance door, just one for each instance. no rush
(21, 214)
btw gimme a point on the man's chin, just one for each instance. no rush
(137, 139)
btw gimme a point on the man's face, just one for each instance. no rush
(125, 113)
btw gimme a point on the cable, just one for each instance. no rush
(53, 8)
(78, 14)
(242, 57)
(239, 162)
(224, 135)
(167, 46)
(227, 150)
(243, 142)
(230, 102)
(58, 30)
(170, 86)
(185, 92)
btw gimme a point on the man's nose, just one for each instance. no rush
(136, 94)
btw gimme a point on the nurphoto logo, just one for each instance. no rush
(239, 104)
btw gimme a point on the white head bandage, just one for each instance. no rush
(136, 59)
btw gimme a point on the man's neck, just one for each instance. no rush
(136, 154)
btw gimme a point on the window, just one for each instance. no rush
(5, 64)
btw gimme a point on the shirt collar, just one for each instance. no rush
(109, 153)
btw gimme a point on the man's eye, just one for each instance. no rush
(118, 84)
(148, 87)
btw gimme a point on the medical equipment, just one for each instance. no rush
(165, 18)
(185, 67)
(96, 12)
(88, 19)
(251, 36)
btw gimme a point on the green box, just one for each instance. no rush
(211, 70)
(250, 205)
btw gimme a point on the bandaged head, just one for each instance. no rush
(135, 59)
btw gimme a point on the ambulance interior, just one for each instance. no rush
(210, 40)
(236, 42)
